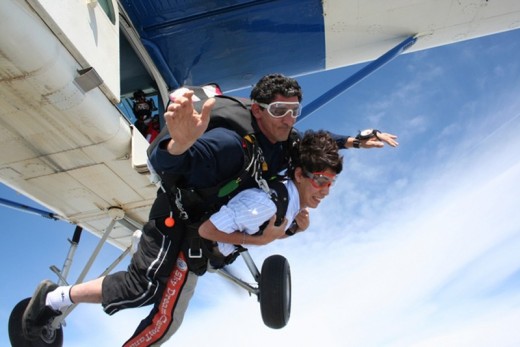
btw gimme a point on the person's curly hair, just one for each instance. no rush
(269, 86)
(317, 152)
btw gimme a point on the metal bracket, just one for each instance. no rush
(241, 283)
(88, 79)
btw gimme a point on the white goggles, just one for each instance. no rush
(279, 109)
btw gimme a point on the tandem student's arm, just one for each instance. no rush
(209, 231)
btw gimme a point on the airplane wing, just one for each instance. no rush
(237, 42)
(69, 67)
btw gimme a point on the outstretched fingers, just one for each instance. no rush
(184, 123)
(390, 139)
(206, 110)
(380, 140)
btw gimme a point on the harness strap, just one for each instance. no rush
(280, 196)
(254, 166)
(201, 250)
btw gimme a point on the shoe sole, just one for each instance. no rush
(30, 328)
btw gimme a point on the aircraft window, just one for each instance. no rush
(108, 7)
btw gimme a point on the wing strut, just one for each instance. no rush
(28, 209)
(358, 76)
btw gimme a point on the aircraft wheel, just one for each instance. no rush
(275, 291)
(49, 337)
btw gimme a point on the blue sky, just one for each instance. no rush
(415, 246)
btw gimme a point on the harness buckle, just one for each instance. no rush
(262, 183)
(178, 202)
(197, 254)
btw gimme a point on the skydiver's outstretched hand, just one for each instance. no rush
(379, 141)
(272, 232)
(184, 123)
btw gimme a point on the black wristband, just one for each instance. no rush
(293, 229)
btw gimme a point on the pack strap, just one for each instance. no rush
(254, 166)
(280, 196)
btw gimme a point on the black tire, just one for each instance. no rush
(52, 338)
(275, 292)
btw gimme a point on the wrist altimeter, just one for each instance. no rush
(367, 134)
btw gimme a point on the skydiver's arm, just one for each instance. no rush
(373, 142)
(217, 153)
(184, 123)
(242, 216)
(377, 141)
(209, 231)
(273, 232)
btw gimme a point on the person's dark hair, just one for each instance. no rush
(318, 151)
(139, 94)
(271, 85)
